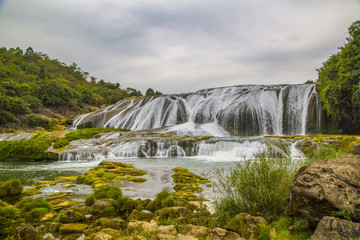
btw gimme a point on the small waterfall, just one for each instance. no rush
(252, 110)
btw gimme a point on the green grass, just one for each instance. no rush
(255, 186)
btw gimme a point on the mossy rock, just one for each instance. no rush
(137, 215)
(173, 212)
(59, 204)
(44, 183)
(65, 178)
(114, 223)
(203, 138)
(70, 216)
(188, 196)
(56, 195)
(69, 185)
(32, 191)
(188, 187)
(73, 228)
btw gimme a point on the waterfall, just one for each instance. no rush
(249, 110)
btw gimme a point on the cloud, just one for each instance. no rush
(181, 46)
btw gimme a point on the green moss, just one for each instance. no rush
(32, 191)
(69, 185)
(65, 178)
(33, 209)
(11, 191)
(203, 138)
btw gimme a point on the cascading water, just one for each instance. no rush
(253, 110)
(225, 113)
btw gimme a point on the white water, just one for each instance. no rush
(241, 110)
(15, 136)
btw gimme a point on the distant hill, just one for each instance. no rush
(37, 92)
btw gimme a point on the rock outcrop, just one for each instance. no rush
(331, 228)
(324, 187)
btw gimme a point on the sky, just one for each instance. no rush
(177, 46)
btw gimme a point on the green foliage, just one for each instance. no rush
(11, 191)
(254, 186)
(31, 80)
(33, 209)
(343, 214)
(8, 215)
(156, 204)
(323, 152)
(339, 83)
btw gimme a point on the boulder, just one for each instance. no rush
(355, 149)
(72, 228)
(103, 236)
(101, 207)
(183, 237)
(173, 212)
(245, 225)
(168, 230)
(137, 215)
(324, 187)
(70, 216)
(223, 234)
(199, 232)
(26, 231)
(331, 228)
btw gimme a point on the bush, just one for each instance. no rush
(255, 186)
(11, 191)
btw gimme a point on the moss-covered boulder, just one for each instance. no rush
(11, 191)
(173, 212)
(72, 228)
(70, 216)
(104, 207)
(115, 223)
(31, 191)
(245, 225)
(26, 231)
(137, 215)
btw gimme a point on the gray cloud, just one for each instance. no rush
(181, 46)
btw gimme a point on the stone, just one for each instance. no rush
(184, 237)
(26, 231)
(199, 232)
(167, 230)
(101, 205)
(137, 215)
(245, 225)
(331, 228)
(355, 149)
(324, 187)
(173, 212)
(31, 191)
(73, 228)
(70, 216)
(103, 236)
(223, 234)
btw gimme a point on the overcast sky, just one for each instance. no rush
(176, 46)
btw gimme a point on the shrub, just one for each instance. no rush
(254, 186)
(11, 191)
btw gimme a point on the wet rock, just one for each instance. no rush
(115, 223)
(246, 225)
(31, 191)
(137, 215)
(223, 234)
(72, 228)
(26, 231)
(324, 187)
(70, 216)
(331, 228)
(307, 146)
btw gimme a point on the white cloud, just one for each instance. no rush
(181, 46)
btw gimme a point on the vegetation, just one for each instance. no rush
(339, 84)
(31, 81)
(11, 191)
(255, 186)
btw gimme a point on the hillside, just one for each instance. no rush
(37, 92)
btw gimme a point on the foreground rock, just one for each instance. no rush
(324, 187)
(331, 228)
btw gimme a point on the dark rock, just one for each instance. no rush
(355, 149)
(331, 228)
(324, 187)
(26, 231)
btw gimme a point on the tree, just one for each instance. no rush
(150, 92)
(339, 83)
